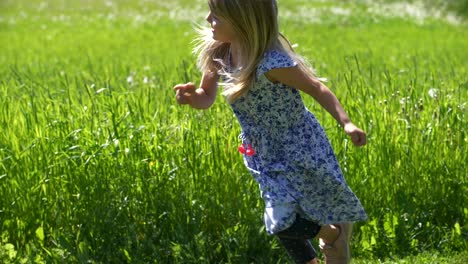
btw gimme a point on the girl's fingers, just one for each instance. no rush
(358, 138)
(184, 92)
(357, 135)
(185, 87)
(182, 97)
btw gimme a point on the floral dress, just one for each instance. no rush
(290, 156)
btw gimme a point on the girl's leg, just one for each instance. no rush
(329, 233)
(295, 240)
(334, 243)
(300, 250)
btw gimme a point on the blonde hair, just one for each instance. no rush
(255, 23)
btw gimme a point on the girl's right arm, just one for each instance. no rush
(295, 77)
(201, 98)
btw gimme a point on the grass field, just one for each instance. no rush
(99, 165)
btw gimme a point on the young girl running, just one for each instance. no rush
(283, 145)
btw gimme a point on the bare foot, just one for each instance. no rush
(337, 252)
(329, 233)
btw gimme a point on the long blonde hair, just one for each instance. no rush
(255, 23)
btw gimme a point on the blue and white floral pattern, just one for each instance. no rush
(294, 163)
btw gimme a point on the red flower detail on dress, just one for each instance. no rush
(241, 149)
(249, 151)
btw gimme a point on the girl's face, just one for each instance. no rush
(222, 30)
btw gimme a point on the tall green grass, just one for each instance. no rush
(98, 164)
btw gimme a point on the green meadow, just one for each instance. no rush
(98, 164)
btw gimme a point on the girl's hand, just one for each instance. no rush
(357, 135)
(184, 93)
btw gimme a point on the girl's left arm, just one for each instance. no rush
(295, 77)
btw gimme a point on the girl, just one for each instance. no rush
(283, 145)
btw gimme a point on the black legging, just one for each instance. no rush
(295, 239)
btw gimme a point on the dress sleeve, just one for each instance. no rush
(274, 59)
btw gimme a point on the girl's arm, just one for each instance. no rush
(201, 98)
(294, 77)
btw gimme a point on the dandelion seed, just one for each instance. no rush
(340, 11)
(462, 107)
(73, 147)
(139, 18)
(100, 90)
(130, 79)
(433, 93)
